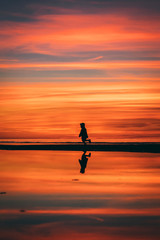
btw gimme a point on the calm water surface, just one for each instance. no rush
(75, 195)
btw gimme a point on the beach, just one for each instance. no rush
(96, 146)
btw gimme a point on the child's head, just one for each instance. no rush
(82, 170)
(82, 125)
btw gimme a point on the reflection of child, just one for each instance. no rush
(83, 161)
(83, 134)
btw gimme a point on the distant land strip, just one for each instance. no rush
(148, 147)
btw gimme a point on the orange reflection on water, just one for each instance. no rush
(46, 194)
(59, 172)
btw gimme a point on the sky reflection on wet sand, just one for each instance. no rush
(117, 197)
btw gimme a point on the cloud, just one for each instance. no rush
(60, 34)
(71, 42)
(32, 8)
(96, 58)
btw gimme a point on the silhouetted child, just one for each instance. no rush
(83, 161)
(83, 134)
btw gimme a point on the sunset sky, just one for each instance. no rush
(66, 62)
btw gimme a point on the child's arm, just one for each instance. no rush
(88, 155)
(86, 135)
(80, 133)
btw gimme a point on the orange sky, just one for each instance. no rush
(98, 64)
(125, 111)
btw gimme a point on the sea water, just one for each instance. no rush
(79, 195)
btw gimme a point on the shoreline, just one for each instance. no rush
(147, 147)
